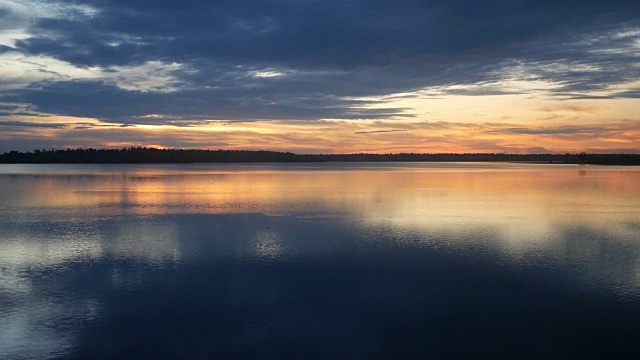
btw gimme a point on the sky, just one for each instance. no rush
(322, 76)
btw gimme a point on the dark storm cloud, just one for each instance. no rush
(318, 34)
(327, 50)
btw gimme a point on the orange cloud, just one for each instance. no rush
(342, 136)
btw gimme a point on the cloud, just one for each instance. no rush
(19, 71)
(31, 124)
(573, 108)
(315, 34)
(615, 136)
(327, 35)
(13, 23)
(336, 136)
(378, 131)
(17, 17)
(113, 104)
(548, 131)
(191, 62)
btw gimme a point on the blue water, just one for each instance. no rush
(340, 261)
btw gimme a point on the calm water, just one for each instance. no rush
(339, 261)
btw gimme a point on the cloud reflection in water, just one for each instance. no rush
(358, 261)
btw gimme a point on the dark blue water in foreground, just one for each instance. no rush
(337, 261)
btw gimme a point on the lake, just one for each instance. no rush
(326, 260)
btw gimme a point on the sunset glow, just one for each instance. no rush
(276, 77)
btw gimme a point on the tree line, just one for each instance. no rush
(140, 155)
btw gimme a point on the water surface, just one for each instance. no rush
(335, 260)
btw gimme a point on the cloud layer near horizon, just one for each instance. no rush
(172, 67)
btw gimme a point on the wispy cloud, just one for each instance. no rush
(31, 124)
(378, 131)
(547, 131)
(578, 109)
(19, 71)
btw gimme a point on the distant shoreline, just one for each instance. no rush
(141, 155)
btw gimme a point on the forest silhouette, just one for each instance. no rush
(139, 155)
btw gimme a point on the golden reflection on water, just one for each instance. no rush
(408, 195)
(582, 217)
(524, 204)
